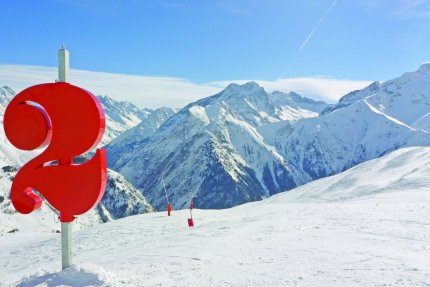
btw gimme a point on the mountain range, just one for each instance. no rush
(215, 149)
(245, 144)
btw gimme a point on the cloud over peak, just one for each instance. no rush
(154, 91)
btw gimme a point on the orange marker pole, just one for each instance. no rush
(169, 207)
(190, 220)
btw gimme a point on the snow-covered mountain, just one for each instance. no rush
(245, 144)
(216, 149)
(120, 116)
(134, 137)
(8, 153)
(120, 199)
(367, 226)
(353, 97)
(6, 94)
(364, 125)
(406, 98)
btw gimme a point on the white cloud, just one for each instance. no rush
(153, 92)
(322, 88)
(144, 91)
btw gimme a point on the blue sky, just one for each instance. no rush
(205, 41)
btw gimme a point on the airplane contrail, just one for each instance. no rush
(317, 25)
(312, 33)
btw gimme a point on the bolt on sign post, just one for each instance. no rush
(70, 122)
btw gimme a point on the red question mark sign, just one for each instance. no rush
(71, 121)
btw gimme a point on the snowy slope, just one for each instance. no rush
(216, 149)
(406, 98)
(423, 123)
(121, 199)
(403, 170)
(353, 97)
(368, 226)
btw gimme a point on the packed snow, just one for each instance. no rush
(368, 226)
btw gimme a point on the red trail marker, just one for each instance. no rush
(190, 220)
(169, 209)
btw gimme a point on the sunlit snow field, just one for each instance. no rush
(368, 226)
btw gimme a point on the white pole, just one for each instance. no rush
(165, 191)
(66, 244)
(66, 227)
(63, 65)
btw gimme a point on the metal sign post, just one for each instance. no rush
(169, 207)
(63, 65)
(66, 244)
(66, 227)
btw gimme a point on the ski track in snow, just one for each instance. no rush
(298, 238)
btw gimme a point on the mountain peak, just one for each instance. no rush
(249, 87)
(232, 92)
(424, 68)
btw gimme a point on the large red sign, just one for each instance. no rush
(70, 121)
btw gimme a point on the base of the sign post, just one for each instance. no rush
(66, 244)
